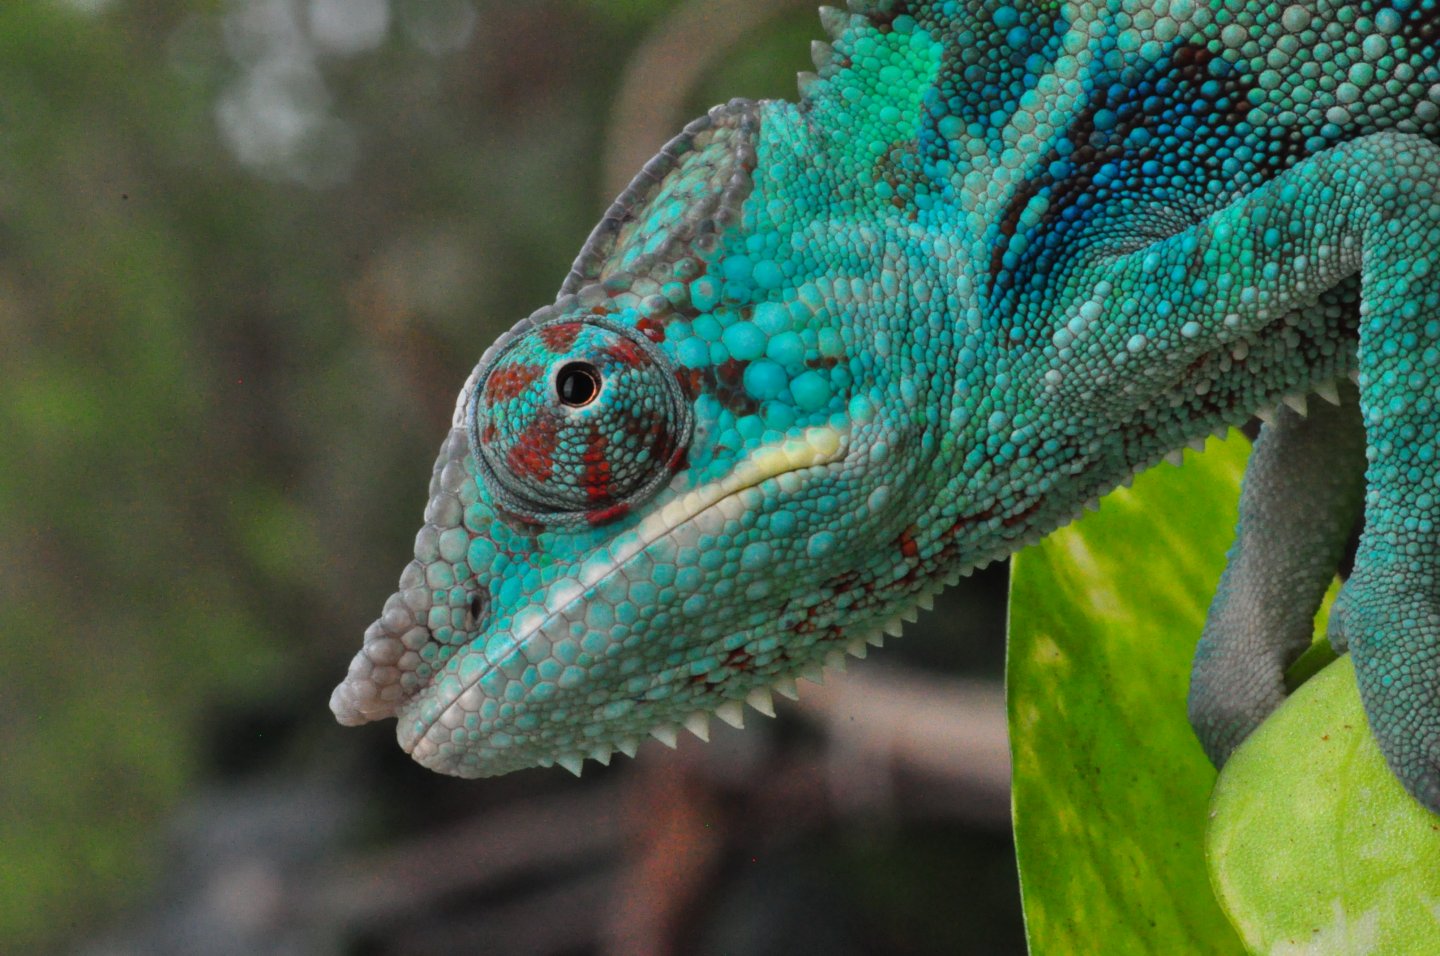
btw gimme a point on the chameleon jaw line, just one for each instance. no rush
(816, 447)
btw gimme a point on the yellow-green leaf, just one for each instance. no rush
(1315, 848)
(1110, 786)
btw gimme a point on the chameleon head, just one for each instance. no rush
(605, 555)
(689, 480)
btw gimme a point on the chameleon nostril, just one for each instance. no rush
(473, 611)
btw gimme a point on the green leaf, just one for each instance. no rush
(1110, 785)
(1314, 846)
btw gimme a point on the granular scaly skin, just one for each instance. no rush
(824, 357)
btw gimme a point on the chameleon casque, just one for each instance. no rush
(822, 358)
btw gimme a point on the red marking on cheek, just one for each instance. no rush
(653, 329)
(907, 544)
(730, 387)
(559, 338)
(533, 455)
(509, 381)
(691, 381)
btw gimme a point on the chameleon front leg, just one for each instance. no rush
(1301, 496)
(1368, 207)
(1388, 613)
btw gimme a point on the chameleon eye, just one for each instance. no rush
(577, 384)
(574, 422)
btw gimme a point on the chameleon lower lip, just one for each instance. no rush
(815, 448)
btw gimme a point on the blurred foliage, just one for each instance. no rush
(1110, 785)
(209, 324)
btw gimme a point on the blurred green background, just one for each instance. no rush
(249, 249)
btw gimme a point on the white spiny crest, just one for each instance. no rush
(571, 762)
(834, 21)
(1328, 392)
(760, 699)
(698, 723)
(732, 712)
(666, 734)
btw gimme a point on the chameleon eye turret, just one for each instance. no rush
(576, 422)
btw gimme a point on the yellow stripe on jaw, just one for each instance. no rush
(818, 445)
(815, 446)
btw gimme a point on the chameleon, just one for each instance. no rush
(822, 358)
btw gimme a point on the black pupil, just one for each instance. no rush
(578, 383)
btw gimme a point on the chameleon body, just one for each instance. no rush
(823, 357)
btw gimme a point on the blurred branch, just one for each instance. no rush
(660, 75)
(629, 862)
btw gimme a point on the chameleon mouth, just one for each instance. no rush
(429, 721)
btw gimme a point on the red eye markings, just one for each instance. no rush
(560, 337)
(533, 454)
(597, 467)
(509, 381)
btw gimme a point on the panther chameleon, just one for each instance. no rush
(822, 358)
